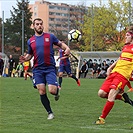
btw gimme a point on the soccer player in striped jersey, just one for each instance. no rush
(64, 66)
(119, 74)
(40, 46)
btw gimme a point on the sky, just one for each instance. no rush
(6, 5)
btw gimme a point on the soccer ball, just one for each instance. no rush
(74, 35)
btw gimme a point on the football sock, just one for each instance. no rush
(46, 103)
(60, 81)
(74, 77)
(57, 91)
(108, 106)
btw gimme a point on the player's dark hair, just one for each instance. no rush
(39, 19)
(130, 29)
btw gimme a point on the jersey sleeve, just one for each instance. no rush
(56, 41)
(29, 48)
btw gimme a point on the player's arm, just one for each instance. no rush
(61, 58)
(66, 56)
(27, 57)
(129, 85)
(109, 70)
(65, 48)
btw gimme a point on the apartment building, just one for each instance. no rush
(56, 16)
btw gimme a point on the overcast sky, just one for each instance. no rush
(6, 5)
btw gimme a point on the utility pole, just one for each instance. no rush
(22, 32)
(129, 13)
(92, 27)
(3, 32)
(68, 23)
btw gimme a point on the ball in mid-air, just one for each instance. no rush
(74, 35)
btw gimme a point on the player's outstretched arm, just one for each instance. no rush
(27, 57)
(65, 48)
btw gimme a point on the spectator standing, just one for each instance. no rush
(83, 69)
(11, 65)
(19, 69)
(1, 66)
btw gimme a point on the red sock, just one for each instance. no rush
(108, 106)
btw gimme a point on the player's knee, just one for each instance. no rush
(41, 91)
(101, 94)
(53, 90)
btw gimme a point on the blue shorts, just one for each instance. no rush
(45, 76)
(66, 69)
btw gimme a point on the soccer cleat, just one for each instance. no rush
(78, 82)
(57, 97)
(50, 116)
(130, 90)
(127, 99)
(100, 121)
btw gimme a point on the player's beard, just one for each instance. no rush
(40, 31)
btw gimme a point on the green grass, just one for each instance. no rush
(22, 112)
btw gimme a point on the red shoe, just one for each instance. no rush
(78, 82)
(130, 90)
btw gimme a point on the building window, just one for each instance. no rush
(51, 19)
(35, 8)
(35, 14)
(58, 25)
(51, 13)
(51, 7)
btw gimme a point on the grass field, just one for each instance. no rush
(22, 112)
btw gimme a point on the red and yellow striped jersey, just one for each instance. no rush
(124, 65)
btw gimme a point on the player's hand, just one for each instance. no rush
(22, 59)
(130, 90)
(109, 70)
(57, 58)
(67, 52)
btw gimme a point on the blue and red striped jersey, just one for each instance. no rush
(63, 62)
(41, 47)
